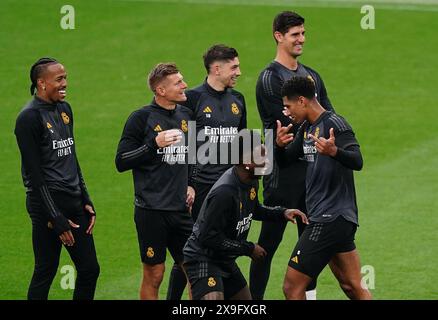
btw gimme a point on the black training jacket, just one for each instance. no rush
(330, 190)
(221, 114)
(220, 232)
(160, 174)
(44, 133)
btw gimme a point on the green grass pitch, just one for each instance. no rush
(382, 81)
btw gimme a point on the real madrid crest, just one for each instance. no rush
(252, 194)
(317, 132)
(65, 118)
(150, 252)
(184, 126)
(211, 282)
(235, 108)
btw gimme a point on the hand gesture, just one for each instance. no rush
(283, 135)
(324, 146)
(168, 137)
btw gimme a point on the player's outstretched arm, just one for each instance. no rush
(213, 230)
(292, 214)
(344, 148)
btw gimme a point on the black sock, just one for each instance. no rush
(270, 237)
(259, 275)
(177, 283)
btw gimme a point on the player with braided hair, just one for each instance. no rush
(56, 196)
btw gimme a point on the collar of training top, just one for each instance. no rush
(159, 108)
(214, 92)
(39, 101)
(322, 116)
(284, 67)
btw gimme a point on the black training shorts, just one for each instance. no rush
(158, 230)
(319, 243)
(206, 277)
